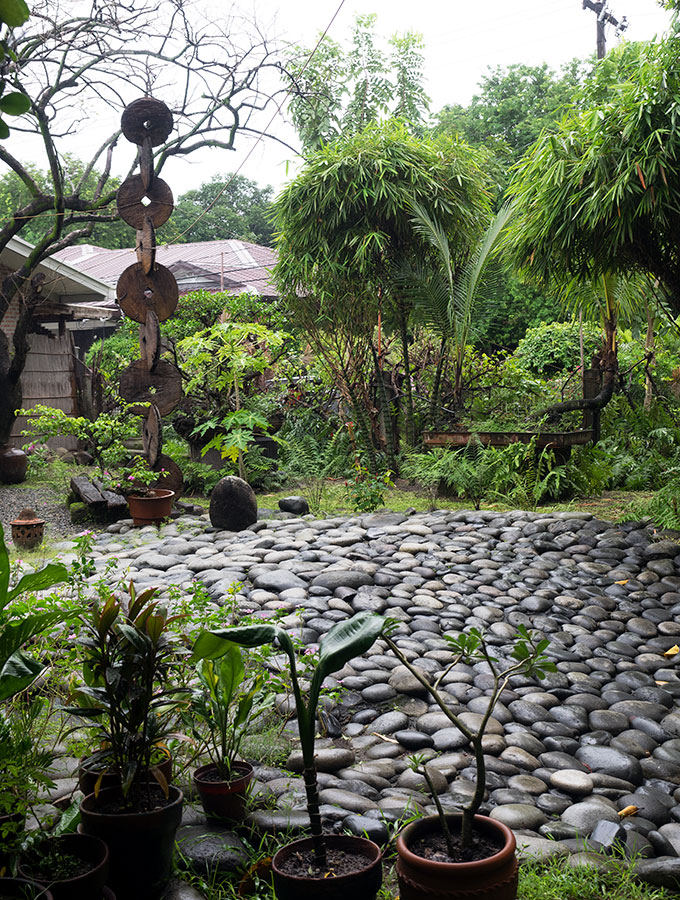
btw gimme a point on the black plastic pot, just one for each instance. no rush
(86, 847)
(89, 773)
(141, 844)
(224, 801)
(361, 885)
(23, 890)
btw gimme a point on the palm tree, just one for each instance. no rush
(448, 294)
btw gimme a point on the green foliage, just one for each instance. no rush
(366, 491)
(128, 659)
(226, 207)
(103, 437)
(110, 232)
(226, 705)
(663, 508)
(23, 762)
(600, 193)
(18, 626)
(344, 641)
(513, 106)
(554, 347)
(337, 92)
(527, 658)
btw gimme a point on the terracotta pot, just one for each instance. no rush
(493, 878)
(361, 885)
(147, 510)
(89, 772)
(224, 801)
(23, 890)
(13, 465)
(141, 844)
(85, 847)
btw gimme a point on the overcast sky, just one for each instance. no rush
(462, 39)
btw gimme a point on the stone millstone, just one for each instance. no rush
(233, 506)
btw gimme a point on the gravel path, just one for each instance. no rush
(565, 755)
(47, 504)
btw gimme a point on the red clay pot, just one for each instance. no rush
(494, 878)
(361, 885)
(224, 801)
(148, 510)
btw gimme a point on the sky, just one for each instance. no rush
(463, 38)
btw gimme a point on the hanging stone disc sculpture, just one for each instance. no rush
(137, 293)
(146, 291)
(130, 202)
(147, 118)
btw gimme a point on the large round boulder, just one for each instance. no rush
(233, 505)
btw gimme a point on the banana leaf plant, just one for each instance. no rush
(343, 642)
(18, 669)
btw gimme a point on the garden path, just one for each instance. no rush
(564, 755)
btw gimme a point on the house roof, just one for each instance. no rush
(234, 265)
(66, 287)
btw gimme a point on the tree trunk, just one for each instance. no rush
(650, 358)
(409, 423)
(437, 386)
(386, 412)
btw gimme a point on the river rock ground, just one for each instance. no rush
(565, 755)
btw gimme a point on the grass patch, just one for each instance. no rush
(557, 880)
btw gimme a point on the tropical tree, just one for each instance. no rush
(448, 295)
(602, 193)
(338, 92)
(345, 231)
(225, 207)
(513, 106)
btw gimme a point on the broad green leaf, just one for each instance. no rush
(15, 104)
(18, 673)
(53, 573)
(343, 642)
(13, 12)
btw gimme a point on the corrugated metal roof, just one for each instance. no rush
(245, 266)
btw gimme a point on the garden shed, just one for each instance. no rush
(77, 308)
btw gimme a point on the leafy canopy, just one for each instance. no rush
(345, 222)
(601, 193)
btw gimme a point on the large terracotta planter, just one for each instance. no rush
(87, 886)
(152, 508)
(361, 885)
(13, 465)
(224, 801)
(141, 844)
(493, 878)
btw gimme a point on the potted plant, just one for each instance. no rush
(147, 504)
(129, 660)
(225, 709)
(450, 856)
(72, 866)
(329, 866)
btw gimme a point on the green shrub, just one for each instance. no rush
(552, 348)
